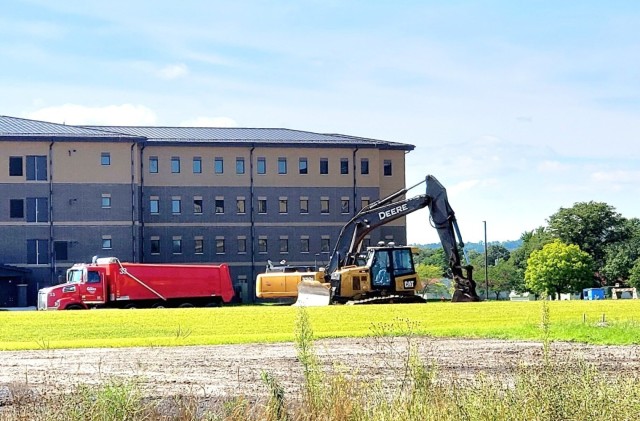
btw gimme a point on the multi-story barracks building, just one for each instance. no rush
(181, 195)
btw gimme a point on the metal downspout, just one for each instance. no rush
(52, 255)
(355, 182)
(141, 208)
(252, 281)
(133, 206)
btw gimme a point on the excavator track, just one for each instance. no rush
(388, 299)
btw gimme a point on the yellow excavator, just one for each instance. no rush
(384, 273)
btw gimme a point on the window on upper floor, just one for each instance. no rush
(241, 205)
(176, 245)
(15, 166)
(198, 245)
(106, 200)
(37, 209)
(262, 205)
(105, 158)
(218, 165)
(344, 166)
(107, 244)
(325, 245)
(153, 164)
(220, 246)
(282, 165)
(242, 244)
(219, 205)
(176, 205)
(197, 205)
(344, 205)
(261, 165)
(324, 166)
(197, 165)
(262, 244)
(155, 245)
(283, 205)
(304, 205)
(324, 205)
(387, 168)
(37, 252)
(36, 167)
(240, 165)
(175, 165)
(154, 205)
(303, 166)
(304, 245)
(364, 166)
(16, 208)
(284, 245)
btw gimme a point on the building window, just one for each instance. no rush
(242, 245)
(304, 205)
(219, 205)
(176, 245)
(176, 205)
(153, 164)
(364, 166)
(324, 244)
(198, 245)
(262, 205)
(262, 165)
(387, 169)
(284, 245)
(175, 165)
(154, 205)
(324, 166)
(240, 165)
(262, 245)
(344, 165)
(303, 166)
(36, 167)
(105, 158)
(37, 209)
(364, 202)
(106, 242)
(60, 250)
(241, 205)
(218, 165)
(197, 205)
(15, 166)
(282, 165)
(324, 205)
(283, 205)
(304, 245)
(16, 208)
(219, 245)
(106, 201)
(344, 205)
(38, 252)
(197, 165)
(155, 245)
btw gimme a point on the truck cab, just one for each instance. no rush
(84, 287)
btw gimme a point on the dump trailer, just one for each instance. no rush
(107, 282)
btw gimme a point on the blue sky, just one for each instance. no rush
(518, 108)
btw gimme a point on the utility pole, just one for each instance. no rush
(486, 265)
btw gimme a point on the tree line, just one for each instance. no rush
(587, 245)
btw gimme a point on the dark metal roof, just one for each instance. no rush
(24, 129)
(244, 136)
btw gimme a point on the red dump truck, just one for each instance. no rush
(107, 282)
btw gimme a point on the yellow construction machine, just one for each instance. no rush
(384, 273)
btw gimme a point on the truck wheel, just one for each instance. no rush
(214, 304)
(74, 307)
(158, 305)
(186, 305)
(130, 307)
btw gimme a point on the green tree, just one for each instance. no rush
(620, 256)
(558, 268)
(504, 277)
(531, 241)
(634, 275)
(592, 226)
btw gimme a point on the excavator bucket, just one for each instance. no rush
(313, 294)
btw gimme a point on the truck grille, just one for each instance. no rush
(42, 300)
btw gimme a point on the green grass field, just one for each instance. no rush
(570, 321)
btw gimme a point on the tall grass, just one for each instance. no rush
(551, 388)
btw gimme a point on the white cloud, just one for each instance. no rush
(209, 122)
(552, 166)
(173, 71)
(618, 176)
(125, 114)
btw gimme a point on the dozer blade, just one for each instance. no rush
(313, 294)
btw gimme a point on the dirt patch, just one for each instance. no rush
(231, 370)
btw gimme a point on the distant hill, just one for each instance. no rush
(479, 247)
